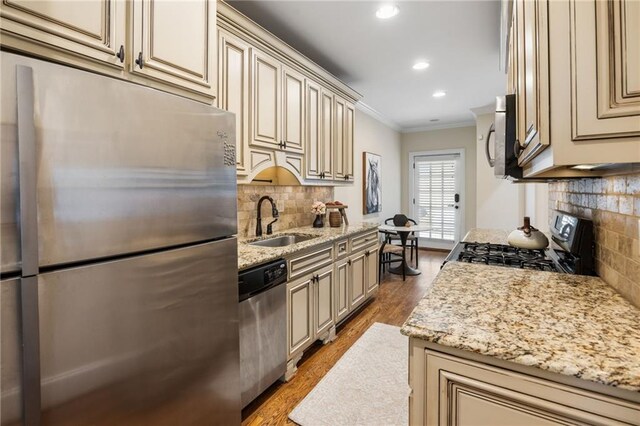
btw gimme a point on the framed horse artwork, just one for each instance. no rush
(372, 189)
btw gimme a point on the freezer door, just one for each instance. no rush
(10, 354)
(121, 168)
(149, 340)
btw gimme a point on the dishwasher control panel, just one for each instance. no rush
(260, 278)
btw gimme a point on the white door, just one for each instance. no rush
(437, 197)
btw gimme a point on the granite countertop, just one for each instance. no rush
(249, 256)
(574, 325)
(493, 236)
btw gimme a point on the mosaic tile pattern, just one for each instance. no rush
(293, 203)
(613, 203)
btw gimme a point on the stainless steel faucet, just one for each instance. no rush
(274, 213)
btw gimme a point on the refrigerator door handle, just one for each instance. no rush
(27, 159)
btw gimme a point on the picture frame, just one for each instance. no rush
(371, 183)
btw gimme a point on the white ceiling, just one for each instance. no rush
(460, 40)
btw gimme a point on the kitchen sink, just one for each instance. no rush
(282, 240)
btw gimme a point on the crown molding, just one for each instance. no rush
(379, 117)
(466, 123)
(486, 109)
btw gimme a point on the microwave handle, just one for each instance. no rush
(491, 161)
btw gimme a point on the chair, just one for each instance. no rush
(412, 239)
(390, 253)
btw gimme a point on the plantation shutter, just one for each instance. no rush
(435, 189)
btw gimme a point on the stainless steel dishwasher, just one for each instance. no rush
(263, 332)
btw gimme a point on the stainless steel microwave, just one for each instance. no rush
(505, 159)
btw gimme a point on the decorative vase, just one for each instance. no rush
(318, 223)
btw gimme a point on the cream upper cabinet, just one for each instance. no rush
(533, 109)
(606, 95)
(234, 57)
(343, 139)
(339, 161)
(576, 73)
(167, 45)
(293, 111)
(319, 151)
(67, 31)
(349, 140)
(175, 42)
(265, 100)
(299, 117)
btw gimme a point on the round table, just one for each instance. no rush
(403, 232)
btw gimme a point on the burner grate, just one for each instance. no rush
(505, 255)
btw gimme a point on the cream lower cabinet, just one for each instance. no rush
(325, 286)
(448, 390)
(341, 290)
(310, 313)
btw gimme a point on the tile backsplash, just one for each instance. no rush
(613, 203)
(293, 203)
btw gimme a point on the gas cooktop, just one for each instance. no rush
(504, 255)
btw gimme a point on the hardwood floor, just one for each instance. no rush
(392, 305)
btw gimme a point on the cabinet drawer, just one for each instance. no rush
(311, 261)
(361, 241)
(342, 249)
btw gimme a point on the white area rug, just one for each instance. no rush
(368, 385)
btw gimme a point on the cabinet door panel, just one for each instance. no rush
(299, 327)
(342, 290)
(323, 302)
(327, 135)
(293, 110)
(265, 100)
(314, 150)
(533, 130)
(94, 29)
(349, 129)
(340, 160)
(606, 86)
(372, 270)
(357, 281)
(177, 44)
(233, 90)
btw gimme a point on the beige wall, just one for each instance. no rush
(373, 136)
(456, 138)
(613, 203)
(499, 202)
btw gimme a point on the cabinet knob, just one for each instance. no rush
(139, 61)
(120, 54)
(349, 262)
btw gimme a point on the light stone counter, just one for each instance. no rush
(568, 324)
(249, 255)
(493, 236)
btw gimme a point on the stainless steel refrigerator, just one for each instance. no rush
(119, 298)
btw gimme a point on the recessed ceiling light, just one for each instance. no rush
(421, 65)
(439, 94)
(387, 11)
